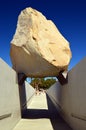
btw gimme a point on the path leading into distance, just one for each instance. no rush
(41, 115)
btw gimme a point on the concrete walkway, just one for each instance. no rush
(41, 115)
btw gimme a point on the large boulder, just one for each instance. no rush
(38, 49)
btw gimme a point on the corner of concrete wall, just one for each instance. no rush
(71, 98)
(9, 97)
(26, 91)
(30, 91)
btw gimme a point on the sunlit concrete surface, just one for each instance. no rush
(41, 115)
(9, 97)
(37, 124)
(39, 101)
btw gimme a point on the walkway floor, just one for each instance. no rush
(41, 115)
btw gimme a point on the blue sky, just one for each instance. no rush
(68, 15)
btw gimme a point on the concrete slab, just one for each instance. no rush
(41, 115)
(39, 102)
(37, 124)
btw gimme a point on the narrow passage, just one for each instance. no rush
(41, 115)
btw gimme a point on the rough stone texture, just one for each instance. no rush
(38, 49)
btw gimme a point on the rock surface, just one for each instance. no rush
(38, 49)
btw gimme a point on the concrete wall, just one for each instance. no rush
(70, 99)
(9, 97)
(30, 91)
(13, 98)
(26, 92)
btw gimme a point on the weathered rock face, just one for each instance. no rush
(38, 49)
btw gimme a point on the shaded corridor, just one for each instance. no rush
(42, 115)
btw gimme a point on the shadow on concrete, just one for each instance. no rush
(35, 114)
(22, 96)
(57, 122)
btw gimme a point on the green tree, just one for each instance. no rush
(44, 83)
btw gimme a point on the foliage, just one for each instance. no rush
(44, 83)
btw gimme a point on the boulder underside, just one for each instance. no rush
(38, 49)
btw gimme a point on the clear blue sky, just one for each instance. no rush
(68, 15)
